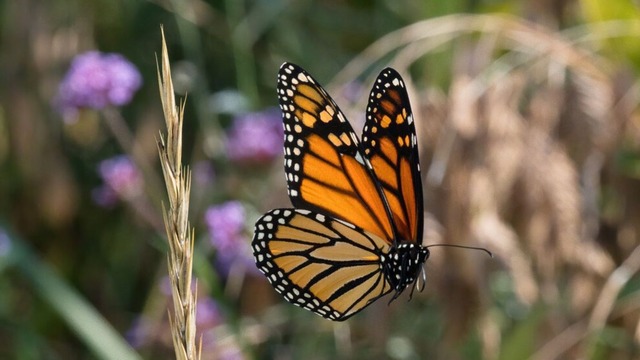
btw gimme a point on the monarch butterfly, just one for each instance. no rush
(355, 231)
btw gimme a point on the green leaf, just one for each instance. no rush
(97, 334)
(520, 341)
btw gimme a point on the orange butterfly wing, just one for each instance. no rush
(325, 168)
(322, 264)
(390, 144)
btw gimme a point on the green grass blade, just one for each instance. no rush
(97, 334)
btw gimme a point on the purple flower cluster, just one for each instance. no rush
(5, 243)
(140, 332)
(352, 91)
(122, 180)
(226, 224)
(208, 314)
(255, 137)
(96, 80)
(208, 317)
(204, 174)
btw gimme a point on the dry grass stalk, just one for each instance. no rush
(528, 40)
(179, 233)
(611, 289)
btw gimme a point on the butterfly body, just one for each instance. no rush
(402, 263)
(355, 231)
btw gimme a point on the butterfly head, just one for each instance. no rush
(402, 265)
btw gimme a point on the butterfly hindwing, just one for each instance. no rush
(390, 144)
(322, 264)
(325, 168)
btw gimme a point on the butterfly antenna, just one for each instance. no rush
(462, 247)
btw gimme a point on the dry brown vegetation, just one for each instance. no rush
(521, 155)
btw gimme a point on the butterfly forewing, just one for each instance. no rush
(390, 144)
(322, 264)
(325, 168)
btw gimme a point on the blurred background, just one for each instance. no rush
(528, 127)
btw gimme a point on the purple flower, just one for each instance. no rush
(226, 223)
(255, 137)
(352, 91)
(139, 333)
(217, 342)
(96, 80)
(208, 314)
(203, 173)
(122, 180)
(5, 243)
